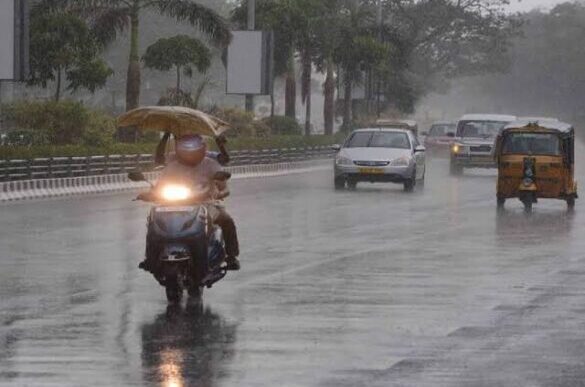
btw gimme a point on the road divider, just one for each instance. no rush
(84, 185)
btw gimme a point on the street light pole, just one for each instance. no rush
(379, 81)
(251, 27)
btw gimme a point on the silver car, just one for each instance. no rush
(380, 155)
(474, 143)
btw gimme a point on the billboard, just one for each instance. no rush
(250, 63)
(14, 39)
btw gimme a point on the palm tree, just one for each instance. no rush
(358, 50)
(109, 17)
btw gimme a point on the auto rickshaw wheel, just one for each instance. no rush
(527, 201)
(339, 183)
(501, 202)
(528, 198)
(571, 203)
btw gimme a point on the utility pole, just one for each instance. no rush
(1, 116)
(380, 38)
(251, 27)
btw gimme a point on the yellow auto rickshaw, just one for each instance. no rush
(536, 160)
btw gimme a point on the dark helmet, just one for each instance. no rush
(191, 149)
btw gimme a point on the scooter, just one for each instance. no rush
(186, 249)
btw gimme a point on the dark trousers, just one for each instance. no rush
(230, 234)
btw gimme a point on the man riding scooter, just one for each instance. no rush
(194, 167)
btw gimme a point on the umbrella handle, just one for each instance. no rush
(159, 156)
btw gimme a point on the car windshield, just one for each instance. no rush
(480, 129)
(373, 139)
(532, 144)
(441, 130)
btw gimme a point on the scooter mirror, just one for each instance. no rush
(136, 176)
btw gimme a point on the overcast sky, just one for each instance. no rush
(526, 5)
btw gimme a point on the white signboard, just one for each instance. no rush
(249, 63)
(14, 39)
(7, 39)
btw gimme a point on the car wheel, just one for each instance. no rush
(351, 185)
(410, 183)
(501, 202)
(339, 183)
(455, 170)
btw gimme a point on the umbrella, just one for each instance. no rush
(175, 119)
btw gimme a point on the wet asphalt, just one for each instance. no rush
(375, 287)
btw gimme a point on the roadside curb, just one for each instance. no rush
(85, 185)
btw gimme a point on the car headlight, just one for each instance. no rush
(400, 162)
(173, 192)
(340, 160)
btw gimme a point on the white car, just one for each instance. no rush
(474, 141)
(380, 155)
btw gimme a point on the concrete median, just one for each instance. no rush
(84, 185)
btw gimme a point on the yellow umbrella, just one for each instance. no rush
(175, 119)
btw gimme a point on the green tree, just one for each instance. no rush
(358, 49)
(180, 52)
(109, 17)
(62, 46)
(435, 41)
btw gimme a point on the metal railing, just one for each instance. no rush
(57, 167)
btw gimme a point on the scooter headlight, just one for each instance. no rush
(174, 193)
(527, 182)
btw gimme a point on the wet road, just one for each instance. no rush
(374, 287)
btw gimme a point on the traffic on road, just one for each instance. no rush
(367, 287)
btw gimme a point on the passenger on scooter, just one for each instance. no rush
(221, 157)
(195, 168)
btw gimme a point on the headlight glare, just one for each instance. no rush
(174, 192)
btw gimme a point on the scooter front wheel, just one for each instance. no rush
(174, 291)
(195, 291)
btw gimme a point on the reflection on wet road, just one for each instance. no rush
(373, 287)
